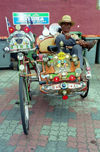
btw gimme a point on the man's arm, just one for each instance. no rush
(67, 42)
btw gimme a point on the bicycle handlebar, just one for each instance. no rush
(20, 50)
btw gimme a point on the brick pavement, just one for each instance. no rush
(55, 125)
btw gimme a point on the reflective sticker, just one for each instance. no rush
(61, 55)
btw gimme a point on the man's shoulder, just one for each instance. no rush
(58, 35)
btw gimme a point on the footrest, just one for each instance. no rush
(42, 82)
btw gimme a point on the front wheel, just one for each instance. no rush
(85, 92)
(24, 104)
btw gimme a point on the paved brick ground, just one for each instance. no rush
(55, 125)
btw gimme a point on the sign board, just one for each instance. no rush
(37, 18)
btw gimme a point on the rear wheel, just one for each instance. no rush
(24, 104)
(85, 92)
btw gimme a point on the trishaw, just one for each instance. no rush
(58, 74)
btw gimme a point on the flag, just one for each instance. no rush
(28, 23)
(31, 22)
(8, 24)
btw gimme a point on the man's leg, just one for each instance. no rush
(77, 49)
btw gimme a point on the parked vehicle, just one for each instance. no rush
(58, 74)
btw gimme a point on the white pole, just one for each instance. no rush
(7, 25)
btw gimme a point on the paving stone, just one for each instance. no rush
(95, 116)
(71, 129)
(9, 131)
(72, 116)
(17, 131)
(2, 130)
(50, 149)
(51, 137)
(53, 132)
(2, 148)
(60, 116)
(73, 134)
(55, 124)
(2, 92)
(40, 149)
(19, 127)
(63, 124)
(9, 85)
(12, 127)
(61, 143)
(97, 130)
(65, 120)
(52, 144)
(56, 117)
(49, 114)
(9, 148)
(4, 113)
(44, 132)
(3, 142)
(63, 133)
(6, 122)
(46, 127)
(33, 102)
(12, 102)
(14, 122)
(3, 126)
(62, 138)
(56, 120)
(97, 135)
(72, 150)
(6, 136)
(63, 128)
(55, 128)
(62, 149)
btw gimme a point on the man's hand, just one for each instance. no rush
(80, 42)
(85, 44)
(67, 36)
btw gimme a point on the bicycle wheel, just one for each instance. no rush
(85, 92)
(24, 104)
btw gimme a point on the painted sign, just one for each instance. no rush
(35, 18)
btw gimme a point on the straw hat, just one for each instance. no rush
(67, 19)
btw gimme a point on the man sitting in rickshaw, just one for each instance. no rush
(72, 43)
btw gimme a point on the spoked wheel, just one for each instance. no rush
(24, 104)
(85, 92)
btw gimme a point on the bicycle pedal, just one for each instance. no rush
(30, 106)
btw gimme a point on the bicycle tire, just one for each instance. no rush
(24, 107)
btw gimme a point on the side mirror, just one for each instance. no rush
(52, 48)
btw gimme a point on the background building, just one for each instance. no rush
(83, 12)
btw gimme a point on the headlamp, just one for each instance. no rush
(20, 56)
(18, 27)
(77, 72)
(77, 75)
(48, 63)
(63, 75)
(45, 58)
(21, 68)
(64, 92)
(76, 63)
(64, 85)
(67, 55)
(74, 58)
(50, 76)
